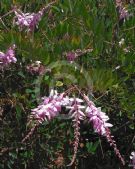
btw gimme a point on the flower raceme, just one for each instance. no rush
(8, 57)
(101, 126)
(52, 105)
(98, 118)
(77, 115)
(27, 20)
(30, 20)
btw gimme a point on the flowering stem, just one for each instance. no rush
(76, 135)
(49, 4)
(108, 133)
(30, 133)
(113, 144)
(3, 24)
(71, 89)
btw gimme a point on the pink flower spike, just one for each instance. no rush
(76, 115)
(98, 118)
(27, 20)
(8, 57)
(50, 106)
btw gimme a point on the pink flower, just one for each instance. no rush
(71, 56)
(123, 13)
(27, 20)
(98, 118)
(36, 68)
(8, 57)
(76, 107)
(50, 107)
(101, 126)
(77, 115)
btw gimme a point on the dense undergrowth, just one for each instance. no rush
(89, 44)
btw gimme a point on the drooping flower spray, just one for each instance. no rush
(101, 126)
(29, 21)
(78, 110)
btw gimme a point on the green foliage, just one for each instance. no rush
(92, 147)
(108, 71)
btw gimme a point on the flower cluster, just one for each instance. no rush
(8, 57)
(123, 13)
(27, 20)
(101, 126)
(36, 68)
(98, 118)
(73, 55)
(50, 107)
(30, 20)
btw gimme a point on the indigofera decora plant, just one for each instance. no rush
(79, 109)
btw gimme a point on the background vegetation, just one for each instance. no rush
(68, 25)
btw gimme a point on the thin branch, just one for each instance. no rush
(7, 13)
(30, 133)
(3, 24)
(101, 147)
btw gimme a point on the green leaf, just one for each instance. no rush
(21, 74)
(59, 83)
